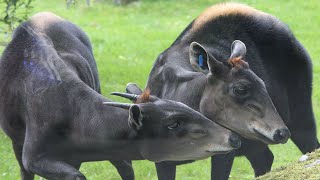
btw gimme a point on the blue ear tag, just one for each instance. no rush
(201, 60)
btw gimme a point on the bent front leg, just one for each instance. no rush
(53, 169)
(36, 160)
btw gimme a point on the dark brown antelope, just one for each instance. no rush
(245, 70)
(52, 110)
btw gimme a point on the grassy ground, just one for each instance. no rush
(126, 41)
(307, 169)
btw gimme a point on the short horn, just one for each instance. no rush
(116, 104)
(132, 97)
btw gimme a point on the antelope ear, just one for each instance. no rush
(202, 61)
(135, 117)
(238, 49)
(133, 88)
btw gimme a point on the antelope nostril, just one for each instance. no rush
(281, 135)
(234, 141)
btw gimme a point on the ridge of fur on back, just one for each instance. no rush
(224, 9)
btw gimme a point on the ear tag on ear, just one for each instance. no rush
(201, 61)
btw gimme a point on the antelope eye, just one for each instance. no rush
(240, 90)
(173, 125)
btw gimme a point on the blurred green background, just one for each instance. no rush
(126, 41)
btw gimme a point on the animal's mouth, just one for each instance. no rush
(218, 152)
(263, 137)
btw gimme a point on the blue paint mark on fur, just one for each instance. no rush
(201, 60)
(40, 77)
(29, 65)
(39, 71)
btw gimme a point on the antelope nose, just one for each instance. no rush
(234, 141)
(281, 135)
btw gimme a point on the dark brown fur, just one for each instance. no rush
(144, 97)
(238, 62)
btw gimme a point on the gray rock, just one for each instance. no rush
(303, 158)
(316, 162)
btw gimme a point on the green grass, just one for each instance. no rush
(127, 40)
